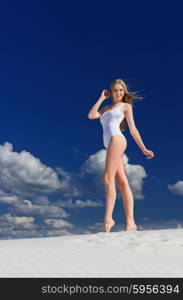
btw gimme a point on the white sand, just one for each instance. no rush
(149, 253)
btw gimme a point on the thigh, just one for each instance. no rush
(121, 177)
(117, 146)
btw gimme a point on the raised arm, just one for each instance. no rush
(134, 131)
(94, 112)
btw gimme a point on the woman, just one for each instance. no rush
(113, 119)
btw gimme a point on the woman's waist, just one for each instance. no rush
(111, 126)
(112, 131)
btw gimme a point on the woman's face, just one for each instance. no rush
(117, 92)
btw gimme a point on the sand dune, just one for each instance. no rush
(148, 253)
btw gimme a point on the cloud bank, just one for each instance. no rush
(37, 199)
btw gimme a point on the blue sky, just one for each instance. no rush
(56, 58)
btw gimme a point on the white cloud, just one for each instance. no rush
(79, 203)
(57, 224)
(42, 200)
(24, 181)
(18, 222)
(94, 164)
(8, 199)
(40, 210)
(24, 174)
(96, 226)
(177, 188)
(57, 232)
(69, 185)
(28, 202)
(8, 233)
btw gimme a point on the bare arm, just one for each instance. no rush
(94, 113)
(133, 130)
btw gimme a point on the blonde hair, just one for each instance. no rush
(128, 97)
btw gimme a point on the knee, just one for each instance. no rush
(107, 178)
(122, 183)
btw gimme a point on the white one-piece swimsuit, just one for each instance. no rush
(110, 121)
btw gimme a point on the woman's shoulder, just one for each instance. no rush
(127, 108)
(127, 104)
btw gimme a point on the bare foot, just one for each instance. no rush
(107, 225)
(132, 227)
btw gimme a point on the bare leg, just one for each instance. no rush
(127, 196)
(115, 149)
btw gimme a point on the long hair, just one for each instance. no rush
(128, 97)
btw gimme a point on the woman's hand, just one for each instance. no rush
(148, 153)
(105, 94)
